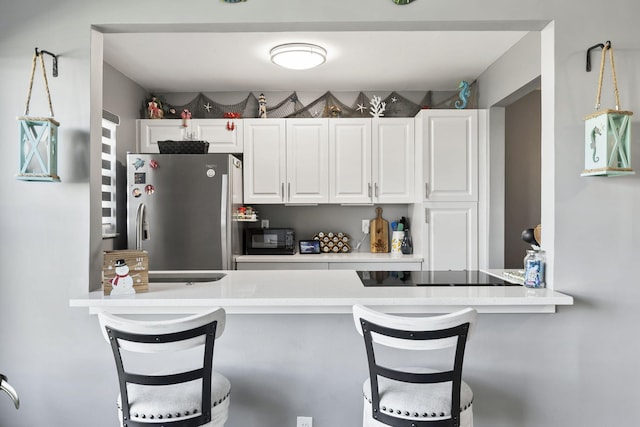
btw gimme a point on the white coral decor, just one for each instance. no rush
(377, 107)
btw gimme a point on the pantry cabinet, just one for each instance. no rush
(371, 160)
(286, 161)
(223, 135)
(450, 145)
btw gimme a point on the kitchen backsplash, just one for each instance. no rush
(309, 220)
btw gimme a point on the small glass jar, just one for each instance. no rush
(407, 246)
(534, 269)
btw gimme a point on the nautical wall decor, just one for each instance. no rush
(464, 95)
(327, 105)
(38, 136)
(607, 132)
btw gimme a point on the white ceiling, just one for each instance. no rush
(356, 60)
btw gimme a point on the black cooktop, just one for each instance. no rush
(431, 278)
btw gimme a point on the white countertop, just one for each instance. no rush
(332, 257)
(319, 291)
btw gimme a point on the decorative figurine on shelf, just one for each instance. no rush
(262, 106)
(464, 95)
(377, 107)
(186, 115)
(154, 108)
(122, 283)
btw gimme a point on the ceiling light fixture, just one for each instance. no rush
(298, 56)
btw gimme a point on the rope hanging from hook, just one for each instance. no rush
(608, 47)
(37, 55)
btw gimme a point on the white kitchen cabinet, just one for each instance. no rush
(371, 160)
(223, 135)
(449, 235)
(350, 161)
(393, 175)
(220, 137)
(282, 266)
(264, 163)
(307, 161)
(449, 142)
(286, 161)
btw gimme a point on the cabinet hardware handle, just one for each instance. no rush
(282, 191)
(369, 190)
(288, 191)
(426, 215)
(426, 190)
(375, 186)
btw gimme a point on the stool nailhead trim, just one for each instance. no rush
(177, 414)
(415, 414)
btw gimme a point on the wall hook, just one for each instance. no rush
(599, 45)
(55, 60)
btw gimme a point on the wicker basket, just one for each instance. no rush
(183, 147)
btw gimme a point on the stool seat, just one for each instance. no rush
(417, 401)
(180, 401)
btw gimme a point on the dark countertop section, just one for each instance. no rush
(431, 278)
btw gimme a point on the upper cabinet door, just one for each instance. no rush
(393, 175)
(307, 161)
(450, 149)
(264, 162)
(223, 135)
(150, 131)
(350, 161)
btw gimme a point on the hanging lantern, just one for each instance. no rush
(608, 133)
(38, 138)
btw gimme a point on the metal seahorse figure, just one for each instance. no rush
(464, 95)
(594, 132)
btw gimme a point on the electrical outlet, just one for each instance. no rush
(304, 422)
(365, 225)
(264, 223)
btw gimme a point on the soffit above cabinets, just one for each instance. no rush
(356, 60)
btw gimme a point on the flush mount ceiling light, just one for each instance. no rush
(298, 56)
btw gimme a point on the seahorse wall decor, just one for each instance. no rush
(464, 95)
(596, 130)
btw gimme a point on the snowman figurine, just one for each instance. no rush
(122, 283)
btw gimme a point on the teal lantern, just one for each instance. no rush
(38, 138)
(607, 136)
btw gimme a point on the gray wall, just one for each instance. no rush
(576, 367)
(124, 98)
(522, 175)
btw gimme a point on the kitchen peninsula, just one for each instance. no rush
(315, 291)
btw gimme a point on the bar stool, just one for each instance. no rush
(181, 396)
(415, 396)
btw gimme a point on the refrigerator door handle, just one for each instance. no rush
(142, 227)
(225, 243)
(6, 387)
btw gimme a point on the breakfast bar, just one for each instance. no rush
(314, 292)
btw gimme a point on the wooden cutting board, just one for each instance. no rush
(379, 231)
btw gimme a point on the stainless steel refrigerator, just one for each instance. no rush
(180, 209)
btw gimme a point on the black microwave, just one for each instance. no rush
(269, 241)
